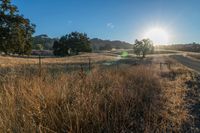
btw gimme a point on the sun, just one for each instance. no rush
(158, 35)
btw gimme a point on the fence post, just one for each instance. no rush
(40, 66)
(89, 59)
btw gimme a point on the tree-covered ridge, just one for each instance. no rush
(96, 43)
(44, 40)
(99, 44)
(193, 47)
(15, 30)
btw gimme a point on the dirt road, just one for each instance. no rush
(190, 63)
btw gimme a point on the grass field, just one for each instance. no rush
(119, 98)
(95, 57)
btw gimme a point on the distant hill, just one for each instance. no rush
(96, 44)
(99, 44)
(193, 47)
(44, 40)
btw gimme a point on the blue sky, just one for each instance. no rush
(123, 20)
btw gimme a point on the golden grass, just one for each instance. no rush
(95, 57)
(122, 99)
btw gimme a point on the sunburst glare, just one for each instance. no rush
(158, 35)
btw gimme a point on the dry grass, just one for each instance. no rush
(120, 99)
(95, 57)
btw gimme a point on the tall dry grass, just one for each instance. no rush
(124, 99)
(9, 61)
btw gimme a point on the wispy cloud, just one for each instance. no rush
(110, 25)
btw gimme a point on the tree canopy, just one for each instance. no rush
(143, 47)
(72, 43)
(15, 30)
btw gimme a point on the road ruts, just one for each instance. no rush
(192, 64)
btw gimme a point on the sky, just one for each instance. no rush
(124, 20)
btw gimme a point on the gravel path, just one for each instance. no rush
(192, 64)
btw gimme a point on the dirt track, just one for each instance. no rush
(190, 63)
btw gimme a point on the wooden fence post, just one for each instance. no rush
(89, 59)
(40, 66)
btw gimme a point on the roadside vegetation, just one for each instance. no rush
(116, 99)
